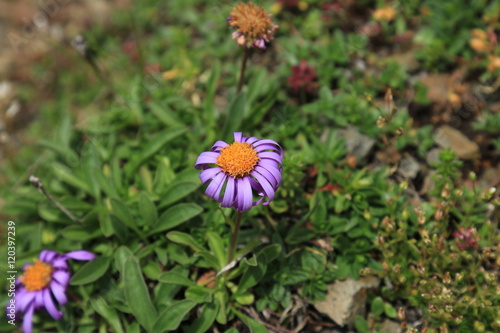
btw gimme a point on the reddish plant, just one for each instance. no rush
(303, 79)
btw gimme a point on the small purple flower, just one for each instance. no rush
(239, 170)
(43, 282)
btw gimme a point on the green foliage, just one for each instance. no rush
(436, 243)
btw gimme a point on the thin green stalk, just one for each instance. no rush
(234, 237)
(243, 67)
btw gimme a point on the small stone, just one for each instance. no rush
(357, 143)
(409, 167)
(390, 326)
(433, 155)
(448, 137)
(437, 87)
(347, 299)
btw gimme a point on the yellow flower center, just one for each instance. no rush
(237, 159)
(251, 20)
(37, 276)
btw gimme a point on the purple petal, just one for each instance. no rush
(62, 277)
(268, 175)
(59, 292)
(266, 142)
(261, 148)
(218, 145)
(80, 255)
(39, 298)
(214, 186)
(244, 196)
(270, 155)
(266, 162)
(266, 186)
(207, 157)
(28, 319)
(24, 298)
(208, 174)
(276, 172)
(50, 306)
(260, 44)
(228, 198)
(238, 136)
(47, 255)
(251, 139)
(219, 189)
(60, 263)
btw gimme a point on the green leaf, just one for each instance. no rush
(377, 306)
(205, 319)
(249, 247)
(209, 258)
(253, 325)
(186, 239)
(271, 252)
(245, 298)
(165, 114)
(253, 274)
(105, 224)
(199, 294)
(80, 233)
(162, 255)
(361, 324)
(296, 236)
(133, 328)
(121, 255)
(156, 143)
(119, 228)
(108, 313)
(176, 215)
(121, 211)
(234, 116)
(152, 270)
(147, 210)
(104, 183)
(221, 298)
(170, 318)
(216, 244)
(137, 295)
(175, 278)
(68, 176)
(390, 311)
(91, 271)
(210, 111)
(176, 191)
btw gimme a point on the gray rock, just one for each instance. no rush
(409, 167)
(448, 137)
(433, 155)
(357, 143)
(391, 326)
(347, 299)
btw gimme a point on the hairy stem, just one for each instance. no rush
(234, 238)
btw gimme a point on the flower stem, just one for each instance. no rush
(243, 67)
(234, 238)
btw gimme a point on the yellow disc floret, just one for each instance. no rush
(37, 276)
(237, 159)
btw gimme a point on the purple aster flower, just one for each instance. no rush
(43, 282)
(239, 170)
